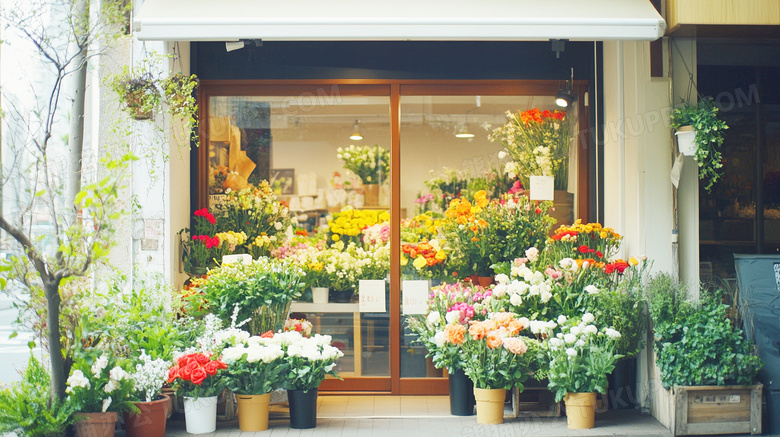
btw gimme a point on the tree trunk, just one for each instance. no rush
(78, 89)
(58, 377)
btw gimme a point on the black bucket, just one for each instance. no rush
(303, 408)
(462, 400)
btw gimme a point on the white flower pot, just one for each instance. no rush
(686, 136)
(200, 414)
(319, 294)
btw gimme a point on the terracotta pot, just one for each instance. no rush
(253, 412)
(490, 405)
(580, 410)
(371, 192)
(95, 424)
(150, 421)
(485, 281)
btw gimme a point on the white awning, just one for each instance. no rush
(397, 20)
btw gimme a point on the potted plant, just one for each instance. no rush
(497, 360)
(308, 361)
(256, 368)
(198, 377)
(138, 91)
(702, 123)
(148, 379)
(703, 357)
(580, 358)
(99, 388)
(177, 91)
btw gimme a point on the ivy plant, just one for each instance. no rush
(709, 137)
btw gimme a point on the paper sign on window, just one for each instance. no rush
(415, 297)
(542, 187)
(372, 296)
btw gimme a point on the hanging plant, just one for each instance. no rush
(138, 92)
(703, 118)
(178, 90)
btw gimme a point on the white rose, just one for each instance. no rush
(588, 317)
(515, 300)
(575, 330)
(439, 339)
(591, 329)
(569, 338)
(452, 317)
(532, 254)
(612, 333)
(571, 352)
(502, 278)
(434, 318)
(580, 343)
(499, 290)
(561, 319)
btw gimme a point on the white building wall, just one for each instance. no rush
(638, 151)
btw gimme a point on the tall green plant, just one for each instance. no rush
(709, 137)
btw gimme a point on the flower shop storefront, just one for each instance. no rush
(433, 141)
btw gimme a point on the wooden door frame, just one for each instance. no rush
(394, 89)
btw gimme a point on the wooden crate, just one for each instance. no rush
(716, 410)
(534, 402)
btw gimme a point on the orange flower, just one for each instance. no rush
(478, 330)
(516, 345)
(455, 333)
(515, 326)
(503, 319)
(494, 340)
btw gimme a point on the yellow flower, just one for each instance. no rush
(440, 255)
(404, 260)
(419, 262)
(336, 237)
(633, 261)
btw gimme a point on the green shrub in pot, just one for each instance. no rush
(709, 136)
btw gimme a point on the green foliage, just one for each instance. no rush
(178, 90)
(99, 382)
(25, 408)
(709, 137)
(696, 344)
(622, 307)
(263, 291)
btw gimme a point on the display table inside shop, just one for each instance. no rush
(325, 320)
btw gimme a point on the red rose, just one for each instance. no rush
(220, 364)
(198, 375)
(202, 358)
(173, 373)
(182, 361)
(583, 249)
(192, 365)
(267, 334)
(211, 368)
(185, 373)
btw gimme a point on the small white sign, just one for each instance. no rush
(243, 258)
(542, 187)
(415, 297)
(676, 171)
(372, 296)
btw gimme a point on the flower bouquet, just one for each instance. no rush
(423, 227)
(201, 248)
(370, 163)
(348, 225)
(581, 356)
(425, 259)
(199, 378)
(584, 241)
(538, 143)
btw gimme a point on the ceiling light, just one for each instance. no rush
(463, 132)
(565, 96)
(356, 136)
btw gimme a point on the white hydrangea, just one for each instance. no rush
(452, 317)
(561, 319)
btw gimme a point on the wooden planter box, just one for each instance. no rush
(716, 410)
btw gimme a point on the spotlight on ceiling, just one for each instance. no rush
(565, 96)
(356, 136)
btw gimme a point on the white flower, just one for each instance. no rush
(575, 330)
(502, 278)
(532, 253)
(439, 339)
(77, 379)
(555, 343)
(502, 155)
(117, 373)
(569, 338)
(499, 290)
(591, 329)
(588, 317)
(592, 289)
(561, 319)
(611, 333)
(111, 386)
(516, 300)
(580, 343)
(571, 352)
(106, 404)
(546, 295)
(434, 318)
(99, 364)
(452, 317)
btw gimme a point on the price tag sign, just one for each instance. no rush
(542, 187)
(243, 258)
(372, 296)
(415, 297)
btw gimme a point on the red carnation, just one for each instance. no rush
(599, 254)
(583, 249)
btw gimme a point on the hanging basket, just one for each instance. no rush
(686, 140)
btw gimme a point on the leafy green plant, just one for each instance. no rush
(709, 136)
(25, 408)
(696, 343)
(178, 90)
(138, 91)
(263, 291)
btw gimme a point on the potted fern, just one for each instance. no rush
(701, 124)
